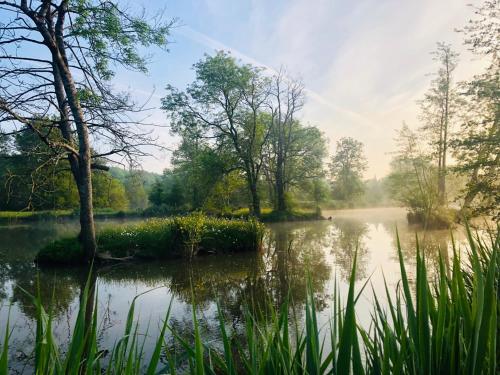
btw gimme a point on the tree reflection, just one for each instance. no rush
(347, 237)
(432, 244)
(56, 288)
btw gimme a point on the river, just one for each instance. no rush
(324, 250)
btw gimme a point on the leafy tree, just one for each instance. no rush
(227, 193)
(135, 191)
(57, 57)
(413, 180)
(477, 144)
(224, 105)
(287, 99)
(108, 192)
(438, 109)
(347, 167)
(304, 152)
(34, 180)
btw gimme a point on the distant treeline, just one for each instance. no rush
(32, 180)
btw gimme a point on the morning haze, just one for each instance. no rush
(249, 187)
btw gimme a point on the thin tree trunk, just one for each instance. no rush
(280, 185)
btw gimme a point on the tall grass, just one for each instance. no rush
(448, 325)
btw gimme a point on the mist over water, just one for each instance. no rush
(324, 250)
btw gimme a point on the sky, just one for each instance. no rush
(364, 63)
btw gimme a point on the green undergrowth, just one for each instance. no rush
(268, 215)
(447, 325)
(183, 236)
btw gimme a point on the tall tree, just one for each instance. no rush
(57, 57)
(226, 101)
(413, 177)
(304, 151)
(347, 167)
(477, 144)
(438, 111)
(287, 99)
(135, 190)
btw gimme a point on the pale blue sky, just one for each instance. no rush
(364, 63)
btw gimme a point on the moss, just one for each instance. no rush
(164, 238)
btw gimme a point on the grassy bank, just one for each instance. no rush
(445, 326)
(183, 236)
(267, 215)
(9, 217)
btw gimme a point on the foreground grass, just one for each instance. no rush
(447, 326)
(183, 236)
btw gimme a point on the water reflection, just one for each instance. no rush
(349, 237)
(292, 253)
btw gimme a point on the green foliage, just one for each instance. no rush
(108, 192)
(477, 145)
(36, 180)
(114, 35)
(137, 185)
(347, 167)
(445, 326)
(164, 238)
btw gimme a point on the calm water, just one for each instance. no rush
(325, 248)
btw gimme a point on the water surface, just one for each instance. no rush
(324, 250)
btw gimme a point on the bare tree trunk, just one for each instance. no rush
(444, 145)
(87, 227)
(255, 199)
(280, 173)
(280, 191)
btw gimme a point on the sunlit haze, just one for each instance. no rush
(364, 64)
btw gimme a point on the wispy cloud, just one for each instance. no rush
(364, 63)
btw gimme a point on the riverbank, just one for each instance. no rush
(167, 238)
(15, 217)
(267, 215)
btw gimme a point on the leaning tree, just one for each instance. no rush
(57, 59)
